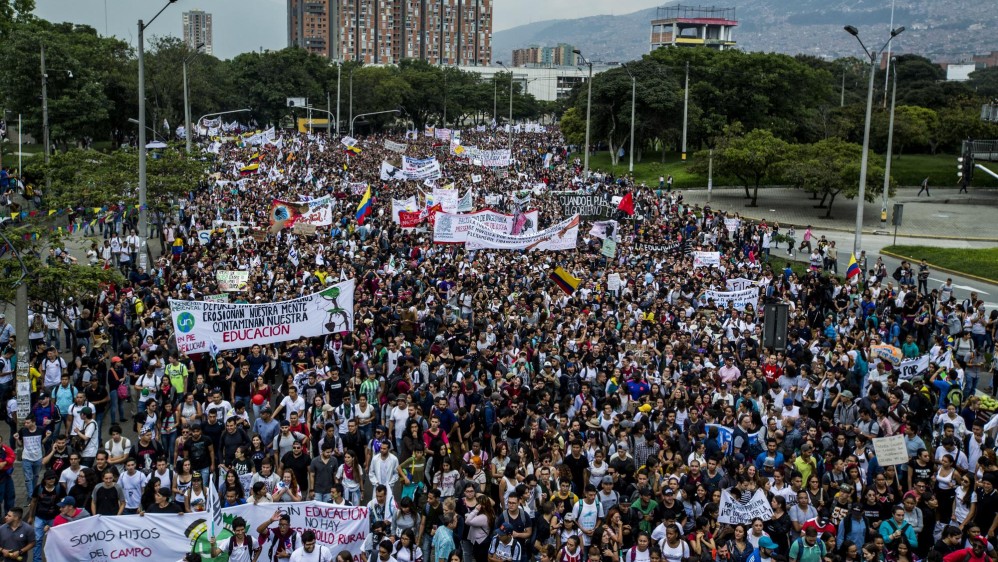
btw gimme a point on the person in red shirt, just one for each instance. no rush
(821, 524)
(975, 553)
(68, 512)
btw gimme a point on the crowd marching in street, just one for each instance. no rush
(613, 402)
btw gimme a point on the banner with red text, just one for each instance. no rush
(201, 325)
(155, 538)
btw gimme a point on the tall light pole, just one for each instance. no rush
(495, 98)
(890, 59)
(633, 101)
(890, 150)
(589, 107)
(510, 123)
(143, 212)
(339, 71)
(858, 239)
(352, 70)
(187, 101)
(45, 110)
(686, 108)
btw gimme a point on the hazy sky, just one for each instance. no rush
(245, 25)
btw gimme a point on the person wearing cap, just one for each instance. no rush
(852, 528)
(764, 553)
(504, 547)
(976, 552)
(68, 511)
(87, 436)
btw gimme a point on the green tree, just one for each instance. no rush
(831, 168)
(750, 157)
(94, 179)
(984, 82)
(573, 126)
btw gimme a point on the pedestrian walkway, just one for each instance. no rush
(946, 214)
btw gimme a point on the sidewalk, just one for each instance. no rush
(945, 215)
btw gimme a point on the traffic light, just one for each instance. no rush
(965, 168)
(959, 166)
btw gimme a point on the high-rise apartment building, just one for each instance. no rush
(197, 30)
(455, 32)
(561, 55)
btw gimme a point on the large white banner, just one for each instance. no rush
(466, 203)
(916, 366)
(739, 284)
(262, 138)
(490, 158)
(733, 512)
(738, 299)
(562, 236)
(706, 259)
(201, 326)
(232, 280)
(395, 146)
(447, 198)
(421, 168)
(318, 211)
(390, 172)
(156, 538)
(398, 205)
(451, 228)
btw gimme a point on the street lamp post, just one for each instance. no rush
(858, 238)
(339, 71)
(589, 107)
(187, 101)
(634, 82)
(510, 123)
(351, 99)
(45, 108)
(890, 150)
(371, 113)
(143, 212)
(686, 108)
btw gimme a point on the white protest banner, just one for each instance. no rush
(734, 512)
(232, 280)
(732, 224)
(304, 228)
(890, 450)
(442, 134)
(705, 259)
(490, 158)
(493, 199)
(613, 282)
(389, 172)
(910, 368)
(160, 537)
(348, 141)
(561, 236)
(261, 138)
(197, 324)
(738, 299)
(604, 230)
(204, 237)
(739, 284)
(399, 205)
(451, 228)
(466, 203)
(358, 188)
(446, 198)
(317, 211)
(476, 178)
(395, 146)
(421, 168)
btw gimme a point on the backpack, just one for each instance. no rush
(954, 396)
(273, 544)
(800, 548)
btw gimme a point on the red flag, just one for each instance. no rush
(627, 204)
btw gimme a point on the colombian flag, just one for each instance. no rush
(250, 169)
(853, 269)
(565, 281)
(354, 149)
(254, 159)
(364, 208)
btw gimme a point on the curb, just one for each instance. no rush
(874, 232)
(941, 268)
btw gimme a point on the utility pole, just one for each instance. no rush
(143, 226)
(329, 111)
(339, 71)
(633, 101)
(890, 150)
(686, 108)
(45, 110)
(710, 175)
(842, 99)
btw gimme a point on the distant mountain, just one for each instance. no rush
(946, 30)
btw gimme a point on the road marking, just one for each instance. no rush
(964, 287)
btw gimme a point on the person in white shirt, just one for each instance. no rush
(309, 551)
(383, 468)
(132, 482)
(240, 547)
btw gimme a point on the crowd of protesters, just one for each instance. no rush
(480, 412)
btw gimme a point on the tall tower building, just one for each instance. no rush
(197, 30)
(454, 32)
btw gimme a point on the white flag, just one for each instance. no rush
(389, 172)
(214, 506)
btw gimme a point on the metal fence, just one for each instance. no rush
(982, 149)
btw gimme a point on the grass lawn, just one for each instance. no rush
(908, 171)
(982, 263)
